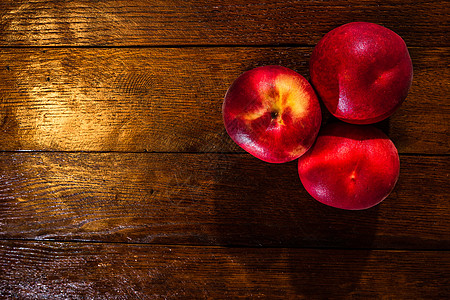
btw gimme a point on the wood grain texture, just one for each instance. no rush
(232, 22)
(133, 189)
(210, 199)
(170, 100)
(43, 270)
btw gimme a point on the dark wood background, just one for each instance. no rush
(118, 180)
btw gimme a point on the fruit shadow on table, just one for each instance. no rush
(259, 204)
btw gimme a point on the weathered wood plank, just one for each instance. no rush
(210, 199)
(232, 22)
(44, 270)
(170, 100)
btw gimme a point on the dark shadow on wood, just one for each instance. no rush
(272, 209)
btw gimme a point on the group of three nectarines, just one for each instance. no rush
(362, 73)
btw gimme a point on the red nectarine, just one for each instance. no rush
(350, 166)
(273, 113)
(361, 71)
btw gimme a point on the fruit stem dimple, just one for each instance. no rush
(274, 114)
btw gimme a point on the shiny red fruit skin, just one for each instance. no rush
(350, 166)
(273, 113)
(362, 72)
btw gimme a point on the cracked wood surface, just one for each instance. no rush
(211, 23)
(170, 100)
(118, 180)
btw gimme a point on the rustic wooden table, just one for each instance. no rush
(118, 180)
